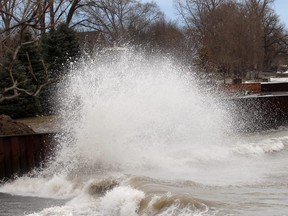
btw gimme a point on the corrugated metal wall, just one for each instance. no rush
(19, 154)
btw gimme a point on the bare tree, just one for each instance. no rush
(19, 17)
(6, 8)
(232, 36)
(39, 15)
(117, 18)
(275, 40)
(63, 11)
(34, 16)
(211, 25)
(15, 88)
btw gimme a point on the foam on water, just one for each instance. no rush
(260, 149)
(56, 186)
(121, 199)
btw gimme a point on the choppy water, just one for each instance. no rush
(141, 139)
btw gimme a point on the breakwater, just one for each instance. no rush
(254, 113)
(20, 154)
(258, 106)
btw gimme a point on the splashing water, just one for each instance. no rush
(131, 112)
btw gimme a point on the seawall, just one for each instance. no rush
(254, 113)
(263, 106)
(20, 154)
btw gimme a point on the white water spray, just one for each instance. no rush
(127, 111)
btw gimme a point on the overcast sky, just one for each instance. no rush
(280, 6)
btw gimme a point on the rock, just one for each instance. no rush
(9, 126)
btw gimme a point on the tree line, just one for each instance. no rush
(222, 38)
(235, 36)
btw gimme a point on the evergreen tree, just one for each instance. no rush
(59, 47)
(28, 58)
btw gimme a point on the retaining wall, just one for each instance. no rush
(19, 154)
(260, 112)
(274, 87)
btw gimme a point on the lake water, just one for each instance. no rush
(251, 179)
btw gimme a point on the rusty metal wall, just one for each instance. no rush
(259, 112)
(274, 87)
(250, 87)
(19, 154)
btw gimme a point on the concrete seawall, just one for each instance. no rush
(19, 154)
